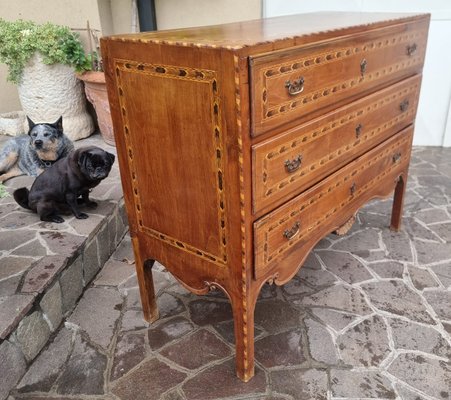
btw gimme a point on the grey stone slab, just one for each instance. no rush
(124, 251)
(32, 334)
(414, 229)
(281, 349)
(442, 230)
(31, 249)
(12, 310)
(18, 219)
(9, 240)
(84, 372)
(334, 319)
(388, 269)
(432, 252)
(196, 350)
(366, 344)
(360, 385)
(14, 266)
(52, 306)
(220, 381)
(320, 342)
(103, 244)
(168, 331)
(276, 315)
(87, 227)
(42, 374)
(62, 243)
(91, 262)
(410, 336)
(149, 381)
(133, 320)
(71, 282)
(296, 288)
(408, 394)
(12, 367)
(129, 352)
(301, 384)
(364, 240)
(204, 312)
(441, 303)
(430, 376)
(169, 305)
(431, 216)
(398, 245)
(345, 266)
(396, 298)
(339, 297)
(8, 286)
(97, 314)
(43, 273)
(316, 277)
(114, 273)
(422, 278)
(443, 273)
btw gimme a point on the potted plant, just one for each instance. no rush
(41, 59)
(95, 88)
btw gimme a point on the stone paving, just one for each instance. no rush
(44, 267)
(367, 317)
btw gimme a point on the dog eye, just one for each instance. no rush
(46, 134)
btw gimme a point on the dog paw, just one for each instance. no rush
(82, 216)
(53, 218)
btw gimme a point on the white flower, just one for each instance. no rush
(26, 32)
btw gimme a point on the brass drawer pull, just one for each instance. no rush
(352, 189)
(404, 105)
(291, 233)
(293, 165)
(411, 49)
(358, 130)
(363, 65)
(295, 87)
(396, 157)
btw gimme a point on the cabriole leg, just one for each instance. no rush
(398, 203)
(145, 281)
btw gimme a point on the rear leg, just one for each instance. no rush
(15, 171)
(48, 212)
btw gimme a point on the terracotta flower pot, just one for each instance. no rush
(96, 93)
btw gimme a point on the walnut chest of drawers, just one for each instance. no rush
(242, 145)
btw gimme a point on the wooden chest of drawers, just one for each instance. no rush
(242, 145)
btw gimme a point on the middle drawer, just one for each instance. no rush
(295, 160)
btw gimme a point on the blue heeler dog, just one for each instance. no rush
(31, 154)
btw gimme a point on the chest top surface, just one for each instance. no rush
(251, 33)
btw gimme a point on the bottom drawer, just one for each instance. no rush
(318, 210)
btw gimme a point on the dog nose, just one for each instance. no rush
(38, 143)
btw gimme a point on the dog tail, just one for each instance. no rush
(21, 197)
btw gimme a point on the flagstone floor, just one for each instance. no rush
(367, 317)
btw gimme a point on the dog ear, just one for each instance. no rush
(82, 159)
(58, 124)
(111, 157)
(31, 124)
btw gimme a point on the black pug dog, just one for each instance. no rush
(64, 182)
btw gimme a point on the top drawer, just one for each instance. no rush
(311, 80)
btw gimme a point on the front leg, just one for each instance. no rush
(86, 201)
(71, 200)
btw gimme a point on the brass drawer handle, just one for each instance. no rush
(411, 49)
(291, 233)
(352, 189)
(295, 87)
(396, 157)
(358, 130)
(293, 165)
(404, 105)
(363, 65)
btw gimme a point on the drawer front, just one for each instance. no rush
(299, 158)
(316, 211)
(306, 81)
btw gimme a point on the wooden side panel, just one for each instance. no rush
(172, 130)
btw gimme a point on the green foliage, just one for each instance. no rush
(20, 39)
(3, 192)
